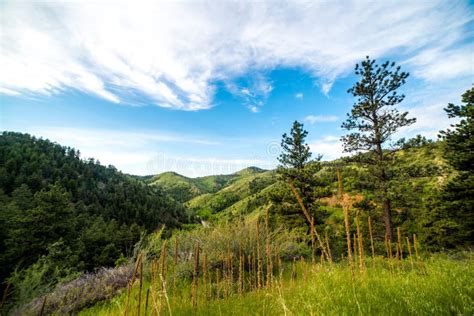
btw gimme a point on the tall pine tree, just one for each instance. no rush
(449, 222)
(375, 119)
(297, 169)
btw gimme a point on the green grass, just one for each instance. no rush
(447, 288)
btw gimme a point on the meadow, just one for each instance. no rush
(438, 285)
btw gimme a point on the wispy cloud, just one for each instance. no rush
(254, 91)
(328, 146)
(299, 95)
(312, 119)
(174, 53)
(145, 152)
(441, 65)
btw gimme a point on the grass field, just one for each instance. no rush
(440, 285)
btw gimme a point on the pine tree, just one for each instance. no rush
(297, 168)
(449, 222)
(375, 119)
(295, 152)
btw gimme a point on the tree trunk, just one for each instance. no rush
(387, 217)
(387, 206)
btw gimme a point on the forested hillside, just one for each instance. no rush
(416, 178)
(183, 189)
(61, 215)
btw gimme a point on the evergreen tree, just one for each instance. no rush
(375, 119)
(296, 168)
(449, 222)
(295, 152)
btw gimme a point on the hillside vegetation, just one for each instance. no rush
(183, 189)
(61, 215)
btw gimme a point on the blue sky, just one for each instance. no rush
(205, 88)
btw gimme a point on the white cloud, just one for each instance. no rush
(144, 153)
(326, 87)
(427, 106)
(173, 53)
(440, 65)
(253, 109)
(128, 151)
(329, 146)
(8, 91)
(254, 92)
(320, 118)
(299, 95)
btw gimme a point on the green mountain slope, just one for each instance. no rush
(183, 189)
(418, 172)
(61, 215)
(246, 186)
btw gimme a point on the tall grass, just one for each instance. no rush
(445, 289)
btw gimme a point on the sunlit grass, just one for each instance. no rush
(443, 287)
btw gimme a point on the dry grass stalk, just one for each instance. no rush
(418, 258)
(293, 269)
(231, 270)
(345, 207)
(415, 245)
(390, 254)
(140, 289)
(224, 273)
(249, 264)
(218, 292)
(127, 303)
(339, 182)
(312, 240)
(175, 263)
(324, 253)
(163, 259)
(280, 269)
(43, 306)
(254, 269)
(354, 244)
(165, 293)
(195, 276)
(163, 254)
(137, 265)
(154, 284)
(241, 270)
(241, 274)
(400, 245)
(361, 245)
(327, 246)
(409, 253)
(146, 300)
(300, 201)
(205, 276)
(308, 218)
(130, 284)
(369, 221)
(259, 261)
(267, 248)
